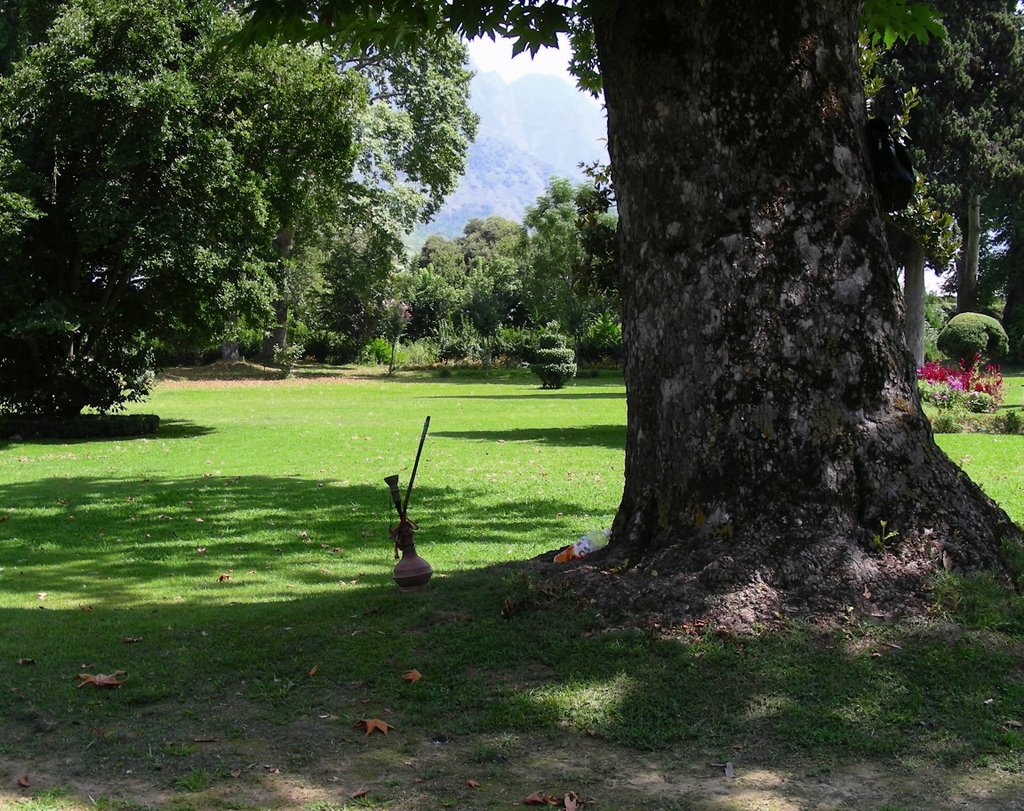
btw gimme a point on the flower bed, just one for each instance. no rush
(967, 386)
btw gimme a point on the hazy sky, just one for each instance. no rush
(497, 57)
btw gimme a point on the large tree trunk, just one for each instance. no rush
(774, 427)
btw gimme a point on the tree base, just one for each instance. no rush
(821, 573)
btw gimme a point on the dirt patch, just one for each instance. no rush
(235, 374)
(488, 772)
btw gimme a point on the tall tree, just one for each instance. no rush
(556, 258)
(970, 123)
(775, 438)
(412, 139)
(148, 198)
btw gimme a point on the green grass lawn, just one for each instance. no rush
(237, 567)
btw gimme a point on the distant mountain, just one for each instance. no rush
(530, 130)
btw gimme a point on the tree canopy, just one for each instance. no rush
(159, 188)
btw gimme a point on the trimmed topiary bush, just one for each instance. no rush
(554, 364)
(970, 334)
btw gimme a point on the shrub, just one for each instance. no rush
(418, 354)
(516, 345)
(287, 356)
(456, 344)
(972, 334)
(602, 342)
(331, 347)
(554, 364)
(375, 353)
(948, 421)
(1012, 422)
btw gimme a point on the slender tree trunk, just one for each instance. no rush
(913, 296)
(1013, 312)
(277, 337)
(773, 415)
(967, 278)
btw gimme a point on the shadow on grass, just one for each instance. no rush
(182, 429)
(499, 651)
(610, 436)
(105, 540)
(273, 671)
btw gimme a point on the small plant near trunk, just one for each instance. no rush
(882, 537)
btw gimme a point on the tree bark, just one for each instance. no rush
(913, 296)
(277, 337)
(230, 350)
(773, 416)
(967, 268)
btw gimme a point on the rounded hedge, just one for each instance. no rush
(970, 334)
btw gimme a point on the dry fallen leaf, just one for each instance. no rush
(412, 676)
(24, 782)
(540, 798)
(85, 608)
(131, 640)
(571, 801)
(102, 680)
(371, 724)
(223, 577)
(355, 795)
(472, 784)
(24, 662)
(313, 670)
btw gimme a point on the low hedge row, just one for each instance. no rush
(85, 426)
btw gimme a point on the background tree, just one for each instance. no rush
(493, 295)
(555, 256)
(774, 421)
(293, 117)
(146, 208)
(489, 237)
(1002, 266)
(449, 272)
(970, 122)
(412, 139)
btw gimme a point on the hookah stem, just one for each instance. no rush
(416, 464)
